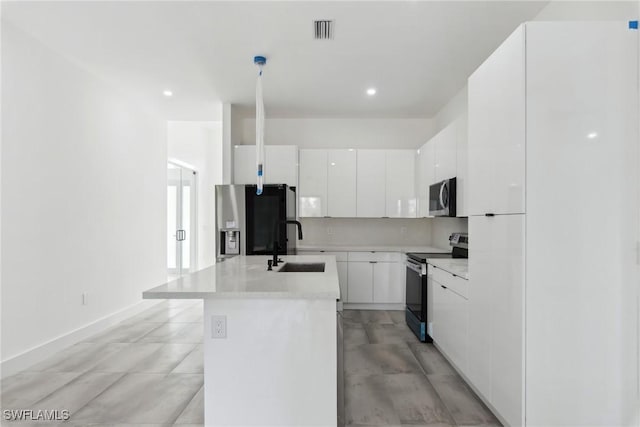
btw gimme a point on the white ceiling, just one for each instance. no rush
(417, 54)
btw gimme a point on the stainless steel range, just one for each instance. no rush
(417, 286)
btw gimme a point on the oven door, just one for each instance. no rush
(416, 289)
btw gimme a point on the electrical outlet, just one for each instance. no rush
(329, 230)
(218, 326)
(85, 298)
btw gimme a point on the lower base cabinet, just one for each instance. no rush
(375, 282)
(450, 324)
(343, 278)
(360, 289)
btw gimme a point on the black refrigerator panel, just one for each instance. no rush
(262, 213)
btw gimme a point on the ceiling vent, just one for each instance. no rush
(323, 29)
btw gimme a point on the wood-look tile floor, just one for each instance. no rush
(148, 371)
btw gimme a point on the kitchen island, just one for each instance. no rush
(270, 340)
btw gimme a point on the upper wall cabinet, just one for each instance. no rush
(312, 194)
(371, 184)
(341, 178)
(281, 164)
(400, 181)
(357, 183)
(497, 131)
(445, 146)
(444, 156)
(462, 167)
(425, 176)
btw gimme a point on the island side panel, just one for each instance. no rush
(276, 367)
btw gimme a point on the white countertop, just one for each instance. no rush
(247, 277)
(457, 266)
(376, 248)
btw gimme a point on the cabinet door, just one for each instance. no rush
(244, 164)
(496, 340)
(341, 191)
(480, 304)
(388, 283)
(497, 131)
(343, 278)
(400, 179)
(371, 183)
(312, 191)
(360, 286)
(462, 181)
(440, 314)
(281, 164)
(428, 162)
(458, 339)
(445, 153)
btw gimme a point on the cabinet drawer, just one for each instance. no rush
(340, 256)
(455, 283)
(375, 256)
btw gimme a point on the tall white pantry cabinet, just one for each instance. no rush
(553, 215)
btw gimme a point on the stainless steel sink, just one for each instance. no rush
(302, 267)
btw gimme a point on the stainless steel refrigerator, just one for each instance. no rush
(245, 222)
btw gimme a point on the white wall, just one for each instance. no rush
(83, 196)
(199, 144)
(342, 133)
(454, 108)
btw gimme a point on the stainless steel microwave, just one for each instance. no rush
(442, 198)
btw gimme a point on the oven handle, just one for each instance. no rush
(414, 266)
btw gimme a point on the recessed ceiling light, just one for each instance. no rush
(592, 135)
(167, 93)
(371, 91)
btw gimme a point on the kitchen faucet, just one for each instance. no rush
(276, 235)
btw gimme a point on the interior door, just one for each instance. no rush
(181, 220)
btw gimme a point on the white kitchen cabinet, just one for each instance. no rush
(360, 288)
(280, 164)
(425, 176)
(462, 167)
(578, 113)
(388, 282)
(497, 131)
(400, 181)
(496, 300)
(371, 183)
(376, 277)
(312, 191)
(244, 164)
(450, 321)
(341, 187)
(343, 278)
(444, 144)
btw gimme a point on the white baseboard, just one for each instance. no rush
(39, 353)
(354, 306)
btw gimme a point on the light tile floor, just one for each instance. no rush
(147, 371)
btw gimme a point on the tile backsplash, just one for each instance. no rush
(381, 231)
(441, 229)
(366, 231)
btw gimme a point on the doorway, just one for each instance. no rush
(181, 220)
